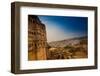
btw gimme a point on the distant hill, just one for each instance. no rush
(65, 42)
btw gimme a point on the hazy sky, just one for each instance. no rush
(64, 27)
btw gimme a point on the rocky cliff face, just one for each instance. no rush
(36, 39)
